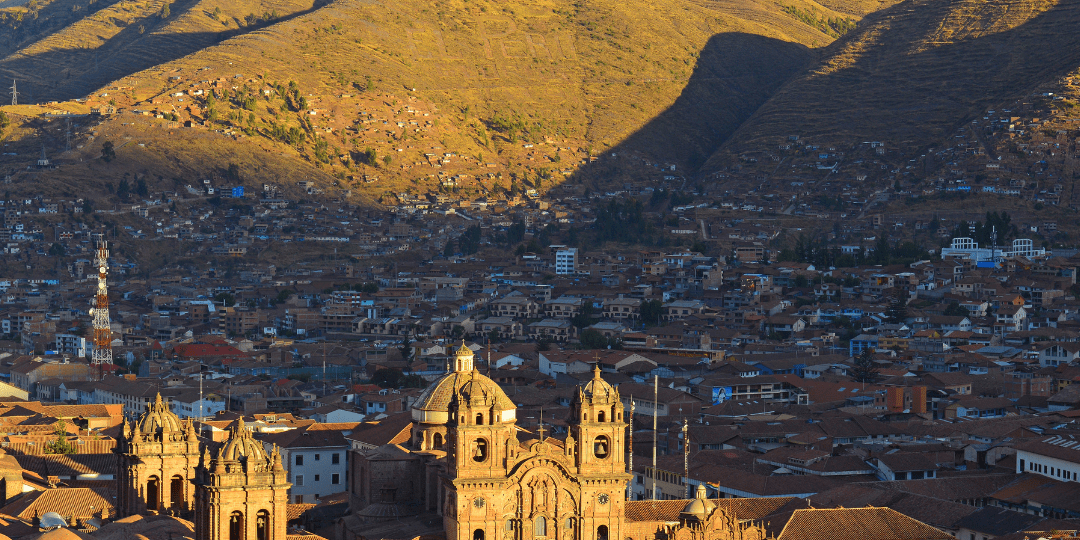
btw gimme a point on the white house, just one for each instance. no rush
(1054, 457)
(316, 460)
(1059, 353)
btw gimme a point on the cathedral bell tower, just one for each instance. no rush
(157, 456)
(242, 492)
(597, 435)
(480, 430)
(481, 446)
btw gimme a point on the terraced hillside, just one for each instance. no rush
(912, 74)
(507, 91)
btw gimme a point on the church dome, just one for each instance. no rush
(158, 416)
(598, 390)
(242, 445)
(434, 403)
(699, 507)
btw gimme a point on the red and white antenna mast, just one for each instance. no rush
(100, 311)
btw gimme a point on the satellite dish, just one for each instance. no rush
(51, 520)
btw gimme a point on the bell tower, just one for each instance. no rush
(479, 429)
(242, 492)
(481, 445)
(157, 457)
(597, 433)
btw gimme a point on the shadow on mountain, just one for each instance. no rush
(735, 74)
(67, 74)
(914, 100)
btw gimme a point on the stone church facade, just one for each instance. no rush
(466, 462)
(236, 492)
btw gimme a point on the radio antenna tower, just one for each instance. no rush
(14, 93)
(100, 312)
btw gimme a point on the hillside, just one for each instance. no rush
(417, 95)
(913, 74)
(111, 41)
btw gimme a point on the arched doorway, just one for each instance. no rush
(601, 532)
(478, 534)
(153, 493)
(176, 493)
(236, 526)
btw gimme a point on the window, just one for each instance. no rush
(299, 480)
(335, 458)
(335, 478)
(316, 478)
(299, 459)
(316, 457)
(540, 526)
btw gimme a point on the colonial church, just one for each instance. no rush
(238, 492)
(466, 462)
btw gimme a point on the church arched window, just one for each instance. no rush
(479, 419)
(478, 534)
(600, 416)
(601, 532)
(236, 526)
(262, 525)
(540, 526)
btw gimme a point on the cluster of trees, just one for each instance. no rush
(983, 232)
(676, 198)
(467, 244)
(124, 189)
(623, 220)
(832, 26)
(394, 378)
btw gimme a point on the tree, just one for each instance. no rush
(651, 311)
(60, 444)
(592, 339)
(406, 348)
(108, 152)
(4, 122)
(226, 299)
(865, 370)
(387, 377)
(897, 312)
(583, 319)
(124, 189)
(956, 310)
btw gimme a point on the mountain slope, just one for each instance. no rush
(914, 73)
(128, 36)
(498, 92)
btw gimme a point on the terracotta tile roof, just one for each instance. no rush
(998, 521)
(857, 524)
(79, 502)
(1041, 491)
(294, 511)
(68, 465)
(743, 508)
